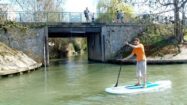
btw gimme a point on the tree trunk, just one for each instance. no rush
(177, 25)
(177, 28)
(183, 23)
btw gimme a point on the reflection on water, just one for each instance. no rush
(75, 81)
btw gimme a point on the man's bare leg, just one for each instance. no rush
(145, 80)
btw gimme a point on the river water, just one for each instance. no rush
(75, 81)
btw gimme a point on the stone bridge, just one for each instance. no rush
(104, 40)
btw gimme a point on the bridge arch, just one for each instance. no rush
(89, 31)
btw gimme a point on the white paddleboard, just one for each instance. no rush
(131, 89)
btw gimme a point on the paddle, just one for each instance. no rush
(118, 76)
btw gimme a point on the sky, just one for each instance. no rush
(74, 5)
(80, 5)
(4, 1)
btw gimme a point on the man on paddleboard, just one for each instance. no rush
(141, 65)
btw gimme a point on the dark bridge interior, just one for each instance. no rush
(73, 31)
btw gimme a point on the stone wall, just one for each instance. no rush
(30, 41)
(94, 47)
(114, 37)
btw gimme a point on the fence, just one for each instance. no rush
(41, 16)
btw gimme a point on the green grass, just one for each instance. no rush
(185, 37)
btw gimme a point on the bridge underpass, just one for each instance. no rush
(91, 33)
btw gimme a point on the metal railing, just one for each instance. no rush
(41, 16)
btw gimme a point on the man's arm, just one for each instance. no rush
(133, 46)
(128, 57)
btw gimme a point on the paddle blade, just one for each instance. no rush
(116, 84)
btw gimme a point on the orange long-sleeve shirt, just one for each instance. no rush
(139, 52)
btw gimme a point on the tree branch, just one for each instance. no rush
(183, 4)
(164, 4)
(20, 4)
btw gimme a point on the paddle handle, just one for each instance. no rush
(118, 77)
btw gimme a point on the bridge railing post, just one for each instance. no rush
(47, 17)
(20, 17)
(69, 17)
(80, 17)
(58, 17)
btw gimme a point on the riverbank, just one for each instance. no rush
(166, 59)
(13, 61)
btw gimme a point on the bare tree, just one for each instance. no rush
(38, 5)
(177, 6)
(39, 9)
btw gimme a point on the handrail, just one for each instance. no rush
(56, 16)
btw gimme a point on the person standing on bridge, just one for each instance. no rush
(118, 16)
(141, 65)
(93, 17)
(121, 16)
(86, 14)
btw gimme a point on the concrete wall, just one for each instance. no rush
(104, 46)
(94, 47)
(114, 37)
(31, 42)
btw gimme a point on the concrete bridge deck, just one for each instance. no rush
(73, 30)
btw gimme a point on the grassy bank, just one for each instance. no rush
(158, 40)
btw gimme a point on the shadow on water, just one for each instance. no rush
(81, 59)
